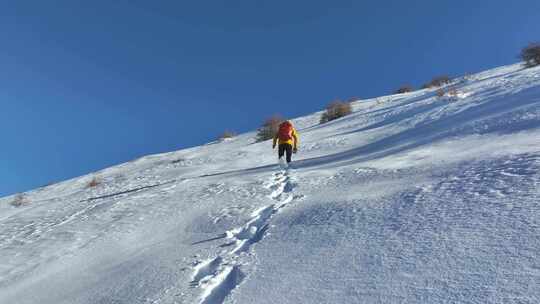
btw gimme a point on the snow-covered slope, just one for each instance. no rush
(411, 199)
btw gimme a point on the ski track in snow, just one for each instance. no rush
(219, 276)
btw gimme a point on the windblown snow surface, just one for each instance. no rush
(411, 199)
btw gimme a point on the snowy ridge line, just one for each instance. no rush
(219, 276)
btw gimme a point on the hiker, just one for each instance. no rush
(287, 140)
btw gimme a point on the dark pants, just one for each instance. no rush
(285, 148)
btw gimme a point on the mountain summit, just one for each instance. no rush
(431, 196)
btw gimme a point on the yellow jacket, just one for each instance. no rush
(293, 142)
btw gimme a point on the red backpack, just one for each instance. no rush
(285, 131)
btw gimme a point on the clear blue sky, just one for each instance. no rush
(88, 84)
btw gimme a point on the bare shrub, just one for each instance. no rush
(531, 54)
(336, 109)
(19, 200)
(227, 134)
(269, 128)
(404, 89)
(438, 81)
(94, 182)
(440, 93)
(453, 92)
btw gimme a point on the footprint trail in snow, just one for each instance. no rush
(217, 277)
